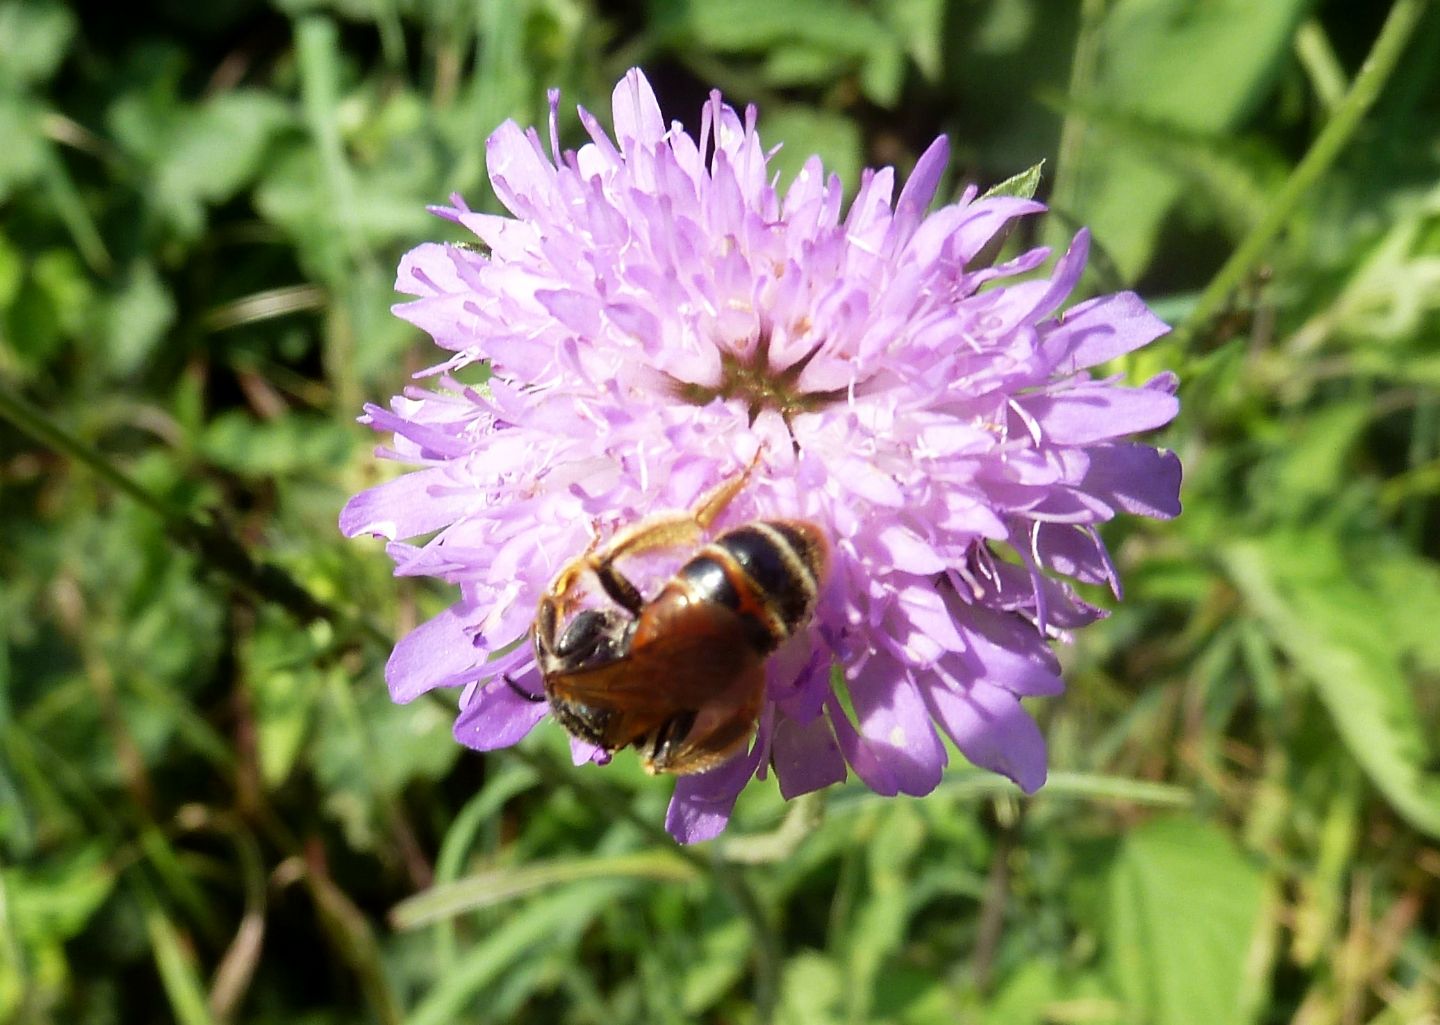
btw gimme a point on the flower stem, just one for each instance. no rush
(1379, 65)
(210, 541)
(1070, 154)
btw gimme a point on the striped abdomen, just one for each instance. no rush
(768, 572)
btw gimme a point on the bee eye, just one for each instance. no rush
(584, 636)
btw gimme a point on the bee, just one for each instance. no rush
(681, 676)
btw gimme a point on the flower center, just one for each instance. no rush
(751, 381)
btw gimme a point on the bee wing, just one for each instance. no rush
(673, 671)
(688, 697)
(682, 721)
(714, 734)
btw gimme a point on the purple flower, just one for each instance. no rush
(655, 313)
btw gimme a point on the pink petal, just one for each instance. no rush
(497, 717)
(701, 806)
(433, 654)
(895, 749)
(992, 730)
(637, 112)
(1139, 479)
(805, 758)
(407, 506)
(1007, 651)
(1098, 412)
(1100, 329)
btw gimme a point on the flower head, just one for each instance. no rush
(655, 315)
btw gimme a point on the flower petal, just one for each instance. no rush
(637, 113)
(497, 717)
(1136, 478)
(992, 730)
(416, 503)
(433, 654)
(701, 805)
(895, 749)
(1086, 414)
(1101, 329)
(806, 757)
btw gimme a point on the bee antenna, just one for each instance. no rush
(510, 682)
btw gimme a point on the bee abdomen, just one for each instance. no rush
(769, 572)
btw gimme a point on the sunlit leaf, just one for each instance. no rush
(1185, 908)
(1326, 622)
(136, 318)
(1198, 68)
(34, 37)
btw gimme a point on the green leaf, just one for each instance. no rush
(553, 920)
(1185, 908)
(42, 907)
(883, 72)
(23, 157)
(297, 196)
(266, 449)
(194, 156)
(12, 272)
(1201, 68)
(49, 307)
(66, 288)
(136, 318)
(1024, 995)
(284, 709)
(811, 991)
(746, 26)
(917, 25)
(34, 38)
(881, 922)
(51, 903)
(1313, 463)
(720, 959)
(213, 151)
(178, 971)
(1409, 588)
(366, 750)
(801, 65)
(806, 132)
(1023, 185)
(1330, 626)
(486, 889)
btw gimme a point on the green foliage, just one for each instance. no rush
(210, 811)
(1182, 68)
(1185, 908)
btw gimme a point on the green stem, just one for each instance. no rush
(1322, 67)
(212, 543)
(1379, 65)
(1069, 157)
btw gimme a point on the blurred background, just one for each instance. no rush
(211, 812)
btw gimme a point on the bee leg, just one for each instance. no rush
(667, 530)
(510, 682)
(660, 749)
(621, 591)
(711, 504)
(547, 621)
(587, 722)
